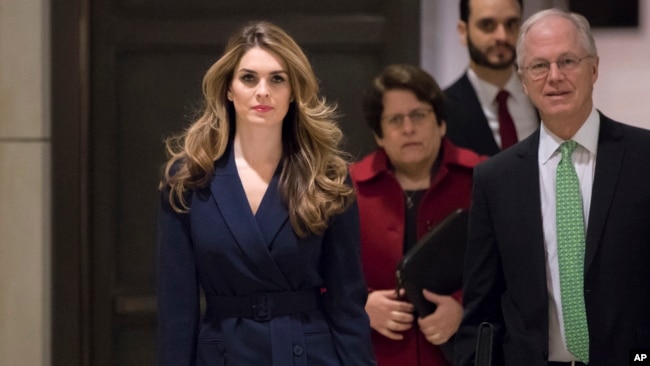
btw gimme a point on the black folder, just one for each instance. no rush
(435, 262)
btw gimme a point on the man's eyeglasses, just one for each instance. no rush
(540, 69)
(415, 116)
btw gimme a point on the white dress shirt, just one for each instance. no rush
(584, 161)
(520, 108)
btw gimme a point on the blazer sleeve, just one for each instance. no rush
(346, 294)
(483, 280)
(177, 288)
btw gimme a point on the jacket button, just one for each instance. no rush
(297, 350)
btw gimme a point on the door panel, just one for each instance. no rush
(145, 63)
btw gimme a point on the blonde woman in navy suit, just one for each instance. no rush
(258, 213)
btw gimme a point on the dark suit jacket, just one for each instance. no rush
(467, 125)
(223, 249)
(505, 273)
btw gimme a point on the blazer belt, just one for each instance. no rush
(264, 306)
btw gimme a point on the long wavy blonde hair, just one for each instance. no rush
(314, 169)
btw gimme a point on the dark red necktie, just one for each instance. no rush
(506, 125)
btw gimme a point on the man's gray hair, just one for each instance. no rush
(580, 22)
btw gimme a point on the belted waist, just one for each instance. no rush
(264, 306)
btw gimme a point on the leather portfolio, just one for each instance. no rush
(435, 262)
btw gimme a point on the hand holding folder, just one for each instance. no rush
(435, 262)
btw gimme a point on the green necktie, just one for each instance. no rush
(571, 253)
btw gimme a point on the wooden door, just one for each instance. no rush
(126, 74)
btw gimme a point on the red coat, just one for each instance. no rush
(381, 210)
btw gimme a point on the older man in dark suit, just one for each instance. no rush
(558, 256)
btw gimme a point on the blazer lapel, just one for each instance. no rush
(272, 214)
(608, 165)
(530, 224)
(478, 127)
(231, 200)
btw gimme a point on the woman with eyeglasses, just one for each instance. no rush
(414, 179)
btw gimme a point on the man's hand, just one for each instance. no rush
(443, 323)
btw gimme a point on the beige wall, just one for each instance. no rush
(622, 90)
(24, 183)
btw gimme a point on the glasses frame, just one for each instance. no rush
(546, 69)
(396, 121)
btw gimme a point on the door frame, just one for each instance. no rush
(70, 92)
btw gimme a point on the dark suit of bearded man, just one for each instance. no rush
(468, 124)
(468, 127)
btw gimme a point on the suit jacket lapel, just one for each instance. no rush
(272, 214)
(528, 195)
(608, 164)
(230, 197)
(478, 128)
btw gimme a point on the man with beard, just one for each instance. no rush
(488, 110)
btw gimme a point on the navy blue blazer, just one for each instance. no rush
(222, 249)
(505, 270)
(467, 125)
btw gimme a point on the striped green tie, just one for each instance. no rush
(571, 253)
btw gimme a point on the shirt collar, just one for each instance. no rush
(487, 92)
(587, 137)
